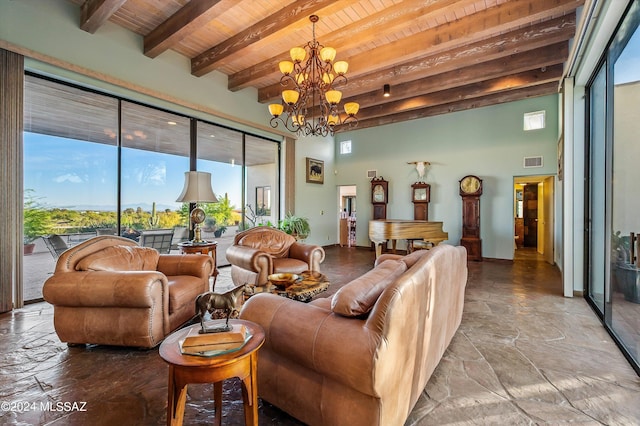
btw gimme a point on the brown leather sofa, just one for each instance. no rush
(258, 252)
(364, 356)
(110, 291)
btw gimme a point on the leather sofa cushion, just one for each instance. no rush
(120, 258)
(277, 244)
(358, 297)
(287, 264)
(183, 291)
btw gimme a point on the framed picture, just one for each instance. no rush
(315, 171)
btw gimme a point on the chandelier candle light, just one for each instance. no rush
(310, 100)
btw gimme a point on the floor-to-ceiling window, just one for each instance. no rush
(96, 164)
(220, 153)
(155, 155)
(70, 170)
(613, 176)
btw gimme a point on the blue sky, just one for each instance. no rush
(627, 68)
(83, 175)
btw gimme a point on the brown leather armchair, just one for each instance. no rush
(258, 252)
(110, 291)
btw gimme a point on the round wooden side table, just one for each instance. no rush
(185, 369)
(204, 247)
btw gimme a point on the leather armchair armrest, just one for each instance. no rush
(312, 254)
(315, 338)
(131, 289)
(250, 259)
(185, 264)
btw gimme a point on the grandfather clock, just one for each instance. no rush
(379, 197)
(470, 191)
(420, 196)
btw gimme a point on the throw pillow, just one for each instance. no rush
(358, 297)
(121, 258)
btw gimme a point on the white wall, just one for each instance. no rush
(318, 202)
(488, 142)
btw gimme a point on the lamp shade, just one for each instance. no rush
(327, 54)
(276, 109)
(298, 54)
(197, 188)
(290, 96)
(333, 96)
(351, 108)
(285, 67)
(341, 67)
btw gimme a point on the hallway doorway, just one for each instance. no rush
(347, 217)
(534, 217)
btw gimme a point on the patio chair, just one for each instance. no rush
(159, 239)
(55, 244)
(180, 235)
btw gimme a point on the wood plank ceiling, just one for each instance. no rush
(439, 56)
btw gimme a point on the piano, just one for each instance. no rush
(381, 230)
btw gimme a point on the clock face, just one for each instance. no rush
(197, 215)
(420, 194)
(470, 185)
(378, 193)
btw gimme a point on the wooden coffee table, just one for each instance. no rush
(185, 369)
(312, 283)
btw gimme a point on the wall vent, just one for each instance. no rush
(371, 174)
(530, 162)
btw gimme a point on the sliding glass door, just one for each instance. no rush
(623, 306)
(613, 175)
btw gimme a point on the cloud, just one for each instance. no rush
(69, 177)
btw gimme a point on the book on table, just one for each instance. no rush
(196, 343)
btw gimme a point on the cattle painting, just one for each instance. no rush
(315, 170)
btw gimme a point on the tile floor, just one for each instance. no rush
(523, 355)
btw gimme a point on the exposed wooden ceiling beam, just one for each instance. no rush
(469, 91)
(94, 13)
(494, 99)
(520, 40)
(547, 56)
(357, 33)
(181, 24)
(469, 29)
(207, 61)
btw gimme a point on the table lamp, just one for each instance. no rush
(197, 189)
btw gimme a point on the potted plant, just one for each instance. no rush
(219, 231)
(35, 222)
(295, 225)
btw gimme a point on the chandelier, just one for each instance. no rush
(310, 101)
